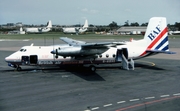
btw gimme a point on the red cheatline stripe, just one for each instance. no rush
(156, 40)
(146, 103)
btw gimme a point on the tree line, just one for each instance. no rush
(111, 26)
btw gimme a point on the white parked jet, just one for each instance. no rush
(76, 30)
(79, 52)
(40, 30)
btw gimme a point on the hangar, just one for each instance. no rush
(132, 30)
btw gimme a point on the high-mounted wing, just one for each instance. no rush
(102, 44)
(84, 44)
(72, 41)
(78, 48)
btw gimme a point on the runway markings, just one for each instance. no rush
(134, 100)
(107, 105)
(95, 108)
(120, 102)
(150, 97)
(163, 98)
(178, 94)
(152, 64)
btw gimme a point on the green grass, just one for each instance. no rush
(56, 35)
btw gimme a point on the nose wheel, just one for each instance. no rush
(19, 68)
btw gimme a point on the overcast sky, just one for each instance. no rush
(98, 12)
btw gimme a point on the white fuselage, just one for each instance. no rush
(37, 30)
(73, 30)
(43, 55)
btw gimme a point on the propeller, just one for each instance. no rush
(55, 53)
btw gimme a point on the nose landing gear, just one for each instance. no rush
(18, 68)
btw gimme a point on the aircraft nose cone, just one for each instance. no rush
(6, 59)
(53, 52)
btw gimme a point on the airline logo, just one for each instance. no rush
(159, 40)
(154, 33)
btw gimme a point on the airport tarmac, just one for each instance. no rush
(153, 85)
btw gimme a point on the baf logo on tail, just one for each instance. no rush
(154, 33)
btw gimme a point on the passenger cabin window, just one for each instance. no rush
(114, 55)
(107, 55)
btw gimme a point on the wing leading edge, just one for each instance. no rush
(84, 44)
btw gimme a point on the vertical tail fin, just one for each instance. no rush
(49, 24)
(86, 24)
(156, 34)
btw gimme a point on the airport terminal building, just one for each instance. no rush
(132, 30)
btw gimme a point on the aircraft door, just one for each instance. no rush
(25, 60)
(33, 59)
(120, 53)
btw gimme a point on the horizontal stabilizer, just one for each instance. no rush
(160, 51)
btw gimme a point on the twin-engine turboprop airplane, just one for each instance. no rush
(39, 30)
(82, 53)
(76, 30)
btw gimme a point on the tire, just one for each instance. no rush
(92, 68)
(19, 68)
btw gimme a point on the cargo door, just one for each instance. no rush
(33, 59)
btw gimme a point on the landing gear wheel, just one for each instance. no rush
(19, 68)
(92, 68)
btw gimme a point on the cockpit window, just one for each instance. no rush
(22, 50)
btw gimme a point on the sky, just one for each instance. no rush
(97, 12)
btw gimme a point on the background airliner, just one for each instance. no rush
(76, 30)
(77, 52)
(40, 30)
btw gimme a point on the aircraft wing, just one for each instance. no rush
(72, 41)
(83, 49)
(84, 44)
(102, 44)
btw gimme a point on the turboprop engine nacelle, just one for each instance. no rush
(77, 51)
(68, 51)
